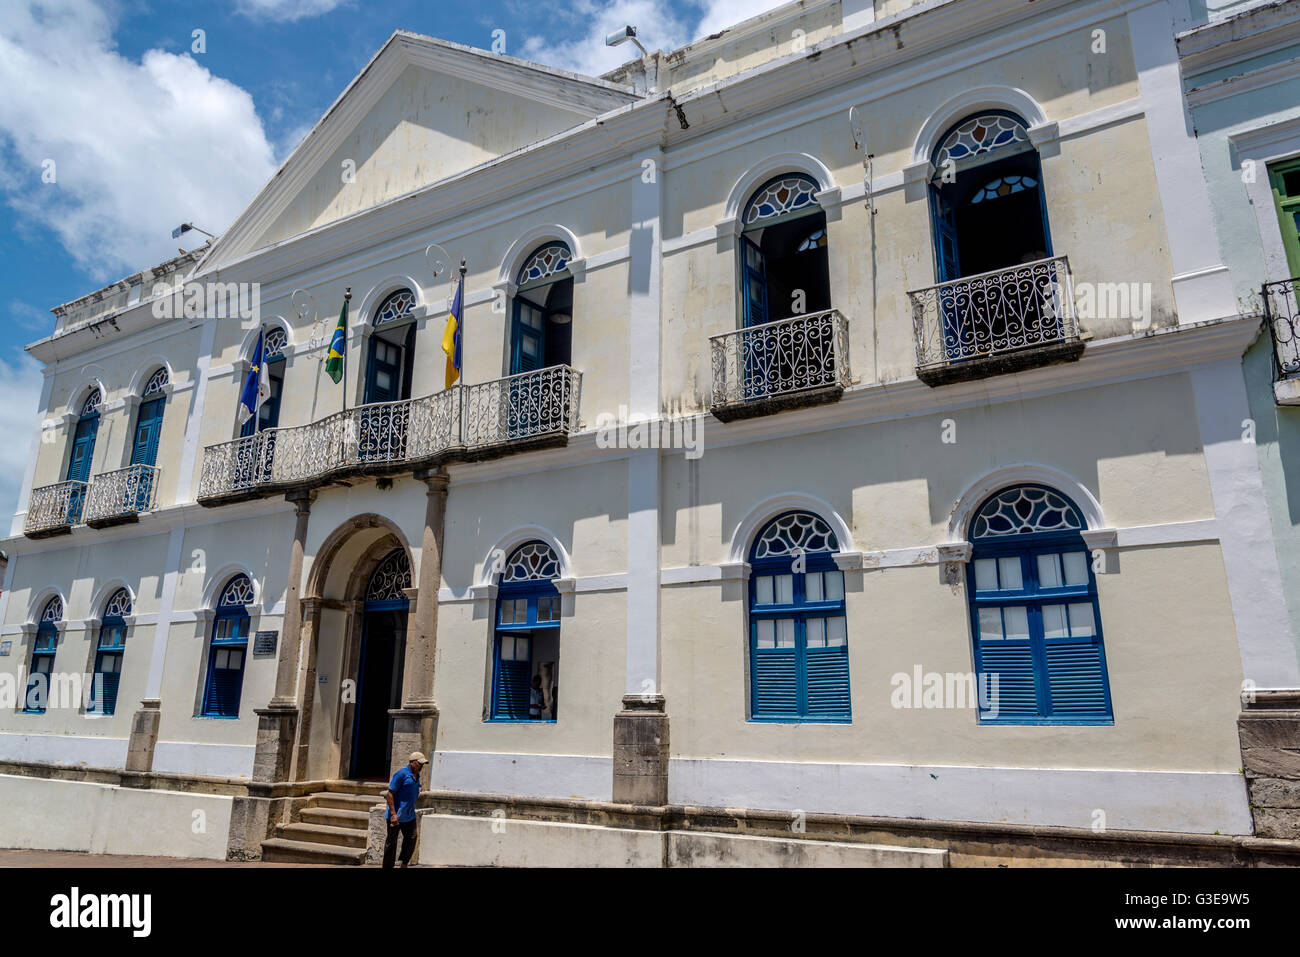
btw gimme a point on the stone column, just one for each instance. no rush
(641, 751)
(277, 723)
(415, 723)
(1268, 730)
(311, 610)
(144, 735)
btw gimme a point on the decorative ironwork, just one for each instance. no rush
(780, 358)
(785, 194)
(1024, 509)
(979, 135)
(238, 592)
(1283, 315)
(795, 533)
(119, 605)
(54, 507)
(53, 610)
(275, 343)
(533, 561)
(551, 259)
(92, 403)
(398, 305)
(386, 434)
(122, 493)
(977, 317)
(390, 578)
(156, 384)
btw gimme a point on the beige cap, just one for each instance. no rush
(417, 756)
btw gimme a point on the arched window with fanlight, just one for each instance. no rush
(986, 197)
(83, 451)
(1039, 655)
(798, 630)
(44, 646)
(228, 650)
(526, 640)
(392, 349)
(783, 256)
(274, 344)
(108, 653)
(541, 329)
(148, 419)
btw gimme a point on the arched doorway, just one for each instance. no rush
(379, 666)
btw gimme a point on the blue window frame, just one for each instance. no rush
(44, 647)
(527, 621)
(108, 653)
(83, 452)
(542, 312)
(783, 250)
(389, 362)
(228, 650)
(1036, 622)
(268, 413)
(798, 630)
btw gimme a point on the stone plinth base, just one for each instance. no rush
(1268, 730)
(276, 727)
(641, 751)
(414, 729)
(144, 736)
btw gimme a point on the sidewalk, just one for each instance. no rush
(62, 859)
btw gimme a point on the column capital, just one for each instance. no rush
(302, 499)
(436, 479)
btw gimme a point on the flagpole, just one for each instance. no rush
(463, 354)
(347, 297)
(257, 403)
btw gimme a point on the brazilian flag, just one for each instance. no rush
(338, 346)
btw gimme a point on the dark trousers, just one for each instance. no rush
(407, 830)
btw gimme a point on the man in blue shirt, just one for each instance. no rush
(401, 795)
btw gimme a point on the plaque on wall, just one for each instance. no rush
(264, 642)
(4, 648)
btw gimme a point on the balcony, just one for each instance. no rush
(800, 361)
(530, 410)
(1283, 318)
(54, 509)
(116, 498)
(996, 322)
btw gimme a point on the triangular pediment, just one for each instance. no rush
(422, 110)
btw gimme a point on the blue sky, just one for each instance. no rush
(143, 125)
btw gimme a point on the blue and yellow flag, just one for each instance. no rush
(251, 397)
(338, 346)
(451, 336)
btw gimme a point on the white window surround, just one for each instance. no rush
(829, 196)
(743, 536)
(362, 319)
(489, 570)
(1262, 145)
(526, 244)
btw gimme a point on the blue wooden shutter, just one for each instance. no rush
(946, 251)
(107, 701)
(83, 449)
(1012, 664)
(775, 691)
(753, 274)
(513, 684)
(1076, 677)
(528, 337)
(148, 425)
(828, 683)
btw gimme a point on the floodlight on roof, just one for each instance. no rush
(622, 36)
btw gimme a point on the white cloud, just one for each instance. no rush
(285, 10)
(138, 146)
(20, 393)
(590, 22)
(721, 14)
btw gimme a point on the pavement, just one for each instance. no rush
(64, 859)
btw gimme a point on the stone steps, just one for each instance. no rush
(333, 826)
(285, 851)
(322, 834)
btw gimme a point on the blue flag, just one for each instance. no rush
(251, 397)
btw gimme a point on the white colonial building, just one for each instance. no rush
(849, 445)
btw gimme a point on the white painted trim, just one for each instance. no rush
(528, 241)
(364, 317)
(574, 776)
(166, 604)
(1264, 145)
(29, 471)
(1246, 82)
(36, 604)
(974, 100)
(1018, 474)
(765, 169)
(1268, 650)
(1201, 291)
(1195, 802)
(249, 343)
(106, 591)
(194, 425)
(770, 508)
(507, 543)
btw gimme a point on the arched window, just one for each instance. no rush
(392, 349)
(268, 412)
(783, 261)
(148, 429)
(1039, 657)
(380, 664)
(43, 649)
(229, 648)
(108, 654)
(986, 197)
(526, 645)
(798, 632)
(83, 451)
(541, 329)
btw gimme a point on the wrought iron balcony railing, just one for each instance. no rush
(463, 421)
(995, 322)
(1283, 315)
(54, 508)
(780, 364)
(120, 496)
